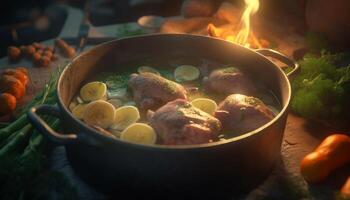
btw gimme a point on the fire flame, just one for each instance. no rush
(241, 33)
(252, 6)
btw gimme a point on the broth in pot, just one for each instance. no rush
(175, 101)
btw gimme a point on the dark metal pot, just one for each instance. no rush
(113, 165)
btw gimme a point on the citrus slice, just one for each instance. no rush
(79, 100)
(143, 69)
(186, 73)
(99, 113)
(125, 116)
(139, 133)
(78, 111)
(93, 91)
(207, 105)
(72, 105)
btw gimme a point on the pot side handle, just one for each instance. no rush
(283, 58)
(44, 128)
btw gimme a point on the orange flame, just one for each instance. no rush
(252, 6)
(241, 33)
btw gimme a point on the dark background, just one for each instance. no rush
(25, 21)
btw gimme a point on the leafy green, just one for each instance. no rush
(114, 81)
(322, 89)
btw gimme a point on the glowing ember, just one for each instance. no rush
(241, 32)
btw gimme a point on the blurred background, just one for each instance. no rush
(25, 21)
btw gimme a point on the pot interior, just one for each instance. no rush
(118, 55)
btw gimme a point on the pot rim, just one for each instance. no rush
(239, 138)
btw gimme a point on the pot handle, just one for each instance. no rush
(44, 128)
(283, 58)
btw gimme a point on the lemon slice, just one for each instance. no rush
(79, 100)
(99, 113)
(72, 105)
(93, 91)
(125, 116)
(139, 133)
(78, 111)
(143, 69)
(186, 73)
(115, 102)
(207, 105)
(115, 132)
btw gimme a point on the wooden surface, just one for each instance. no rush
(285, 181)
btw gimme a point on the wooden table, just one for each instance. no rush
(301, 137)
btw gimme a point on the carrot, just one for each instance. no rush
(64, 48)
(7, 103)
(12, 85)
(17, 74)
(331, 154)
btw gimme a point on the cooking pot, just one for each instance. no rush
(232, 165)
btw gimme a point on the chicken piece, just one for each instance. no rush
(240, 114)
(152, 91)
(227, 81)
(180, 123)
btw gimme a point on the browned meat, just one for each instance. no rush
(152, 91)
(227, 81)
(178, 122)
(240, 114)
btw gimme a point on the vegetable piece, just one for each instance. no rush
(23, 69)
(47, 54)
(139, 133)
(17, 74)
(99, 113)
(78, 111)
(7, 103)
(322, 89)
(79, 100)
(186, 73)
(44, 61)
(331, 154)
(21, 134)
(93, 91)
(125, 116)
(12, 85)
(49, 49)
(115, 132)
(345, 190)
(115, 102)
(143, 69)
(36, 58)
(72, 105)
(29, 51)
(64, 48)
(207, 105)
(14, 53)
(37, 45)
